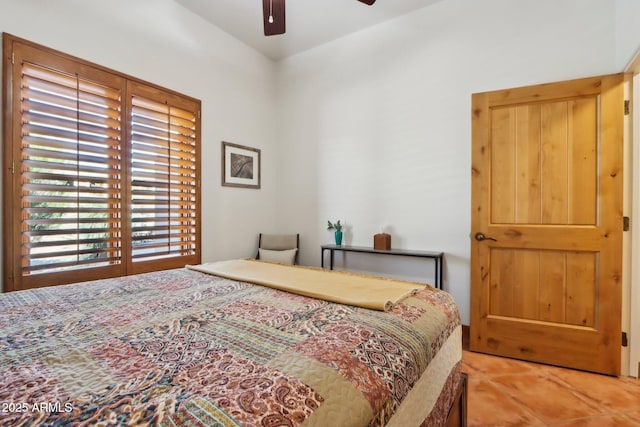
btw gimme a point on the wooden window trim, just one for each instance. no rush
(185, 167)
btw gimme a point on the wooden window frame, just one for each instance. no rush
(181, 190)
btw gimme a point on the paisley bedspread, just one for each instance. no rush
(180, 347)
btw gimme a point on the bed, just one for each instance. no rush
(196, 346)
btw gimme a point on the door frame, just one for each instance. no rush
(633, 129)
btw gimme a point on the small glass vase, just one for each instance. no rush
(338, 235)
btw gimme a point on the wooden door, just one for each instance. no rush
(547, 186)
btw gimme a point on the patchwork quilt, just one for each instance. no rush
(181, 347)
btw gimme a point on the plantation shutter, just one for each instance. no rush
(164, 177)
(70, 171)
(102, 171)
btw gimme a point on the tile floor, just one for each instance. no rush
(505, 393)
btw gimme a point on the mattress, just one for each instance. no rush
(181, 347)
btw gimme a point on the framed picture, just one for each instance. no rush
(240, 166)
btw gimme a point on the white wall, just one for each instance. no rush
(375, 127)
(160, 42)
(627, 32)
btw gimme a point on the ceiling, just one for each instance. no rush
(310, 23)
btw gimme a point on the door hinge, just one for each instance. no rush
(13, 167)
(626, 107)
(625, 341)
(626, 223)
(199, 114)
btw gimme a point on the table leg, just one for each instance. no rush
(331, 257)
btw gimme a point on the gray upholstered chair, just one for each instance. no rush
(281, 248)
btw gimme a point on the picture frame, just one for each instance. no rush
(240, 166)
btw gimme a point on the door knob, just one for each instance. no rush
(480, 237)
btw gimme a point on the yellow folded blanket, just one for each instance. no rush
(377, 293)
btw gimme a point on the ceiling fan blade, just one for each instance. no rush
(369, 2)
(273, 16)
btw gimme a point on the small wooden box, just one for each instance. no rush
(382, 242)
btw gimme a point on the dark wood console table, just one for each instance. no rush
(435, 256)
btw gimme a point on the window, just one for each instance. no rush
(102, 176)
